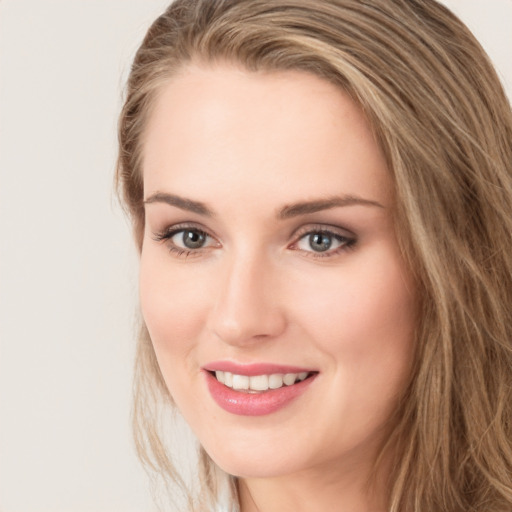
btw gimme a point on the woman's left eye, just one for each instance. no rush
(323, 242)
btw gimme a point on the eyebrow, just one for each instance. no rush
(287, 212)
(303, 208)
(180, 202)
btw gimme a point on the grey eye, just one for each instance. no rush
(190, 239)
(323, 242)
(320, 242)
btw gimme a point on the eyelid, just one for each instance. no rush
(171, 230)
(334, 231)
(322, 228)
(166, 234)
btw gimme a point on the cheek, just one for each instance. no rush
(365, 303)
(172, 309)
(364, 320)
(171, 306)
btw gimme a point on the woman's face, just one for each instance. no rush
(271, 282)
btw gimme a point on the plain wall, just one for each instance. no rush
(68, 285)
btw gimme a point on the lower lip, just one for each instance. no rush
(254, 404)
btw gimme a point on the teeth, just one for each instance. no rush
(275, 381)
(259, 382)
(290, 378)
(240, 382)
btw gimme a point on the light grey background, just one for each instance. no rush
(68, 283)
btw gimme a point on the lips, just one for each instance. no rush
(256, 389)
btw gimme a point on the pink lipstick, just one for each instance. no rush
(255, 389)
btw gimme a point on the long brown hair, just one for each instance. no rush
(444, 123)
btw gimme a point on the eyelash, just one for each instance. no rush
(168, 234)
(347, 242)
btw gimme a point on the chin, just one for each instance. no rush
(255, 468)
(257, 461)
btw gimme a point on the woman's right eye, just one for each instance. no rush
(189, 239)
(185, 241)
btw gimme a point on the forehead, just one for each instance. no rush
(225, 128)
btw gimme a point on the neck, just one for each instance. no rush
(340, 491)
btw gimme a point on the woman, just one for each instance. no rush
(321, 195)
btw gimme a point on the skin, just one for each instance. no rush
(248, 145)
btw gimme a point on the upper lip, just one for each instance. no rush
(253, 369)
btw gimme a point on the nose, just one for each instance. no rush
(247, 309)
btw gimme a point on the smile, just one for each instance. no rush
(259, 383)
(256, 389)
